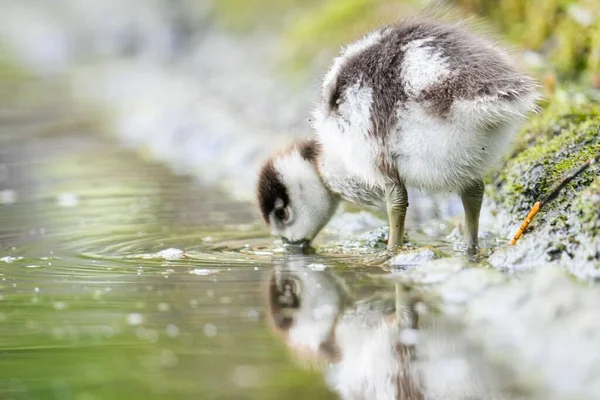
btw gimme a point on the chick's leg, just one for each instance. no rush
(397, 202)
(472, 197)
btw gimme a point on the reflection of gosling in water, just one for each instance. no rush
(419, 104)
(361, 346)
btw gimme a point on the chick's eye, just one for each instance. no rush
(281, 214)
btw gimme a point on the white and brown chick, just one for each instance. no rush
(419, 103)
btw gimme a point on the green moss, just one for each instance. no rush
(586, 208)
(572, 46)
(549, 26)
(551, 145)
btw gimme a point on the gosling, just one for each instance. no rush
(419, 103)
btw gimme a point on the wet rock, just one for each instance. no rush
(566, 231)
(411, 258)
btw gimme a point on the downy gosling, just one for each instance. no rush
(419, 103)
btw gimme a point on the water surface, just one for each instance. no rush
(120, 279)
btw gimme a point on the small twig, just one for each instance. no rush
(551, 196)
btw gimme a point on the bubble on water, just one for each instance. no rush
(172, 330)
(208, 239)
(2, 317)
(9, 259)
(140, 305)
(317, 267)
(256, 268)
(164, 307)
(210, 330)
(36, 289)
(193, 303)
(60, 305)
(1, 297)
(409, 337)
(8, 196)
(246, 376)
(67, 199)
(35, 300)
(210, 293)
(203, 272)
(170, 254)
(135, 319)
(168, 358)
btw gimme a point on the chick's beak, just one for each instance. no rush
(299, 246)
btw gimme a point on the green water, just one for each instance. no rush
(89, 310)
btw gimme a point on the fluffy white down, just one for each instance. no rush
(422, 66)
(311, 204)
(429, 152)
(351, 50)
(369, 368)
(346, 138)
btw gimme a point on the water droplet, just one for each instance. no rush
(8, 196)
(172, 330)
(170, 254)
(210, 330)
(203, 272)
(9, 259)
(135, 319)
(317, 267)
(67, 200)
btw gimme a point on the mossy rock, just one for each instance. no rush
(549, 147)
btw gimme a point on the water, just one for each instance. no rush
(87, 310)
(120, 279)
